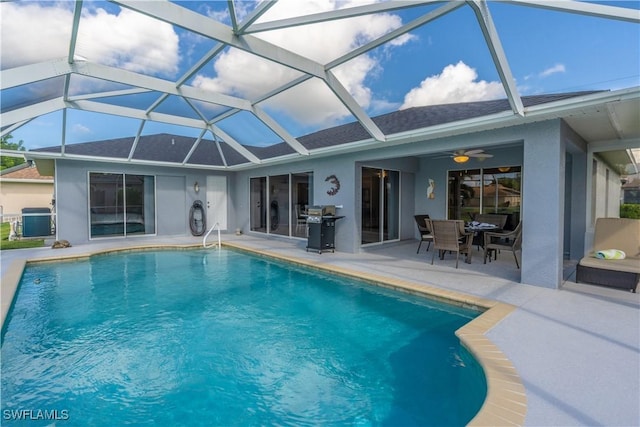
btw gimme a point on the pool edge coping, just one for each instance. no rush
(506, 401)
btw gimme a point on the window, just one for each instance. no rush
(278, 203)
(121, 205)
(486, 191)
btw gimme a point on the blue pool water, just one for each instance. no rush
(225, 338)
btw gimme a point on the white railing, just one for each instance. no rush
(204, 240)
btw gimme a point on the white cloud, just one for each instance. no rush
(218, 15)
(127, 40)
(242, 74)
(26, 41)
(456, 83)
(81, 129)
(558, 68)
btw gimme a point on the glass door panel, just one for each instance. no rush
(301, 190)
(380, 205)
(140, 204)
(464, 190)
(370, 205)
(106, 204)
(391, 220)
(501, 193)
(257, 199)
(279, 205)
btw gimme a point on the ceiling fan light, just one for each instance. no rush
(460, 158)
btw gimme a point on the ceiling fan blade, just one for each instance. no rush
(480, 155)
(472, 152)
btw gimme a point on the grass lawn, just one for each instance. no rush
(5, 229)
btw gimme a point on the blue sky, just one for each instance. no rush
(444, 61)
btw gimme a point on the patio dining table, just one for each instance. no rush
(478, 231)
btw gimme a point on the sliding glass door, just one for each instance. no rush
(380, 205)
(278, 203)
(121, 205)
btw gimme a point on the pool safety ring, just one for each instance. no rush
(197, 219)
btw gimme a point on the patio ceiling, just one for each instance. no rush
(84, 83)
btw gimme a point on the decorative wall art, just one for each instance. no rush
(431, 189)
(335, 185)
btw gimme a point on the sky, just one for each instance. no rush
(444, 61)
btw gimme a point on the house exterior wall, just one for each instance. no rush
(342, 167)
(575, 218)
(538, 147)
(14, 196)
(543, 205)
(174, 196)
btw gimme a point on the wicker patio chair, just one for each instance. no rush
(425, 232)
(449, 235)
(511, 241)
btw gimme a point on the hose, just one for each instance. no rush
(197, 219)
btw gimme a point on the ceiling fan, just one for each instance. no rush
(463, 156)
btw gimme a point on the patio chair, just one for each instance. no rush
(301, 220)
(509, 241)
(449, 235)
(425, 232)
(499, 220)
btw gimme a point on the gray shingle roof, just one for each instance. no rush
(174, 148)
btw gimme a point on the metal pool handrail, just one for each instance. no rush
(204, 240)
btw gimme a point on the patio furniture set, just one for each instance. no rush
(613, 261)
(487, 231)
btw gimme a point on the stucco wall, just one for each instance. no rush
(539, 147)
(174, 196)
(543, 205)
(14, 196)
(575, 212)
(347, 168)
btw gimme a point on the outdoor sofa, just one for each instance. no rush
(613, 233)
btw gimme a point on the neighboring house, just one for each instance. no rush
(631, 189)
(22, 187)
(147, 185)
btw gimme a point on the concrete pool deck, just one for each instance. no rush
(576, 349)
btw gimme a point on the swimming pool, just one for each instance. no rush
(225, 338)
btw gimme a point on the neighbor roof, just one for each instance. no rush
(23, 172)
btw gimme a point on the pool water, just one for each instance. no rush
(226, 338)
